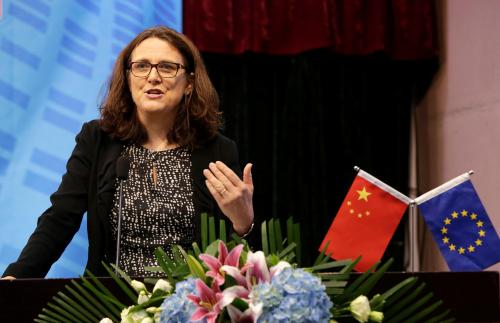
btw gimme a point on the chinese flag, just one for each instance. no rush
(365, 222)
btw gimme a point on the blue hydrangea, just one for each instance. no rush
(177, 307)
(292, 296)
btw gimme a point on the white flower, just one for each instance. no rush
(143, 297)
(275, 270)
(360, 308)
(153, 310)
(134, 317)
(137, 285)
(106, 320)
(376, 316)
(139, 315)
(124, 313)
(147, 320)
(162, 285)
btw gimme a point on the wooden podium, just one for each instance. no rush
(472, 297)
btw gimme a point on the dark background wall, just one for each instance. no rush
(309, 89)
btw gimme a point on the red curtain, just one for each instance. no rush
(403, 29)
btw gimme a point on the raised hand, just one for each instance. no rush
(233, 195)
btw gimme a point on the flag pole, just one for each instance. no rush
(413, 239)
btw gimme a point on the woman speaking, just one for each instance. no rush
(161, 115)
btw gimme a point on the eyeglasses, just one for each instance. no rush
(165, 69)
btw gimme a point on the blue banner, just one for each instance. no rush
(55, 57)
(461, 227)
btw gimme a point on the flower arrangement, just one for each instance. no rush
(229, 282)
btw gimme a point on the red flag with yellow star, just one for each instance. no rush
(365, 222)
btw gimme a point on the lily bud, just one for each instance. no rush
(137, 285)
(153, 310)
(143, 297)
(360, 308)
(376, 316)
(163, 285)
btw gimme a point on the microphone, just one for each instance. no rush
(122, 168)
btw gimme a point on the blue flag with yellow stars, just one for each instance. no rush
(460, 225)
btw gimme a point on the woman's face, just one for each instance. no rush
(155, 95)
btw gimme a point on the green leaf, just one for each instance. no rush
(423, 313)
(265, 241)
(153, 301)
(195, 267)
(154, 269)
(399, 306)
(51, 316)
(287, 250)
(178, 255)
(367, 286)
(289, 231)
(67, 316)
(222, 230)
(240, 304)
(296, 234)
(335, 283)
(400, 293)
(277, 236)
(122, 274)
(204, 231)
(440, 317)
(332, 264)
(85, 303)
(321, 256)
(196, 249)
(333, 276)
(112, 308)
(213, 248)
(105, 308)
(125, 288)
(334, 291)
(374, 305)
(410, 309)
(73, 311)
(81, 312)
(164, 262)
(350, 267)
(237, 238)
(211, 230)
(271, 236)
(100, 289)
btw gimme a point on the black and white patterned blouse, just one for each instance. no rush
(158, 206)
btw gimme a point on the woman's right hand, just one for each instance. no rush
(8, 278)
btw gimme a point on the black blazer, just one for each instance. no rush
(88, 186)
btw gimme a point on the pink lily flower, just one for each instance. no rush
(256, 268)
(233, 292)
(234, 272)
(250, 315)
(208, 303)
(224, 259)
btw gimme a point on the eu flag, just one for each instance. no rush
(460, 225)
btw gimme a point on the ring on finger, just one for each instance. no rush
(224, 190)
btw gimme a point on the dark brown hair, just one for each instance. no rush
(198, 118)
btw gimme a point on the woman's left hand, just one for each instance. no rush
(233, 195)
